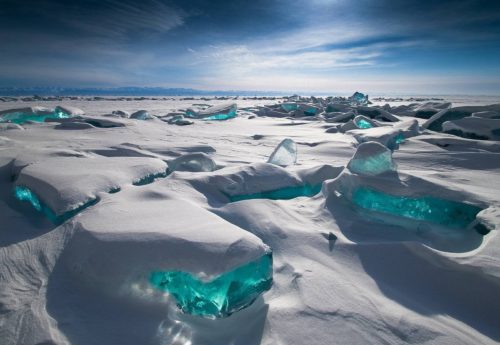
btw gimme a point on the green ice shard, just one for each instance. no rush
(281, 194)
(439, 211)
(22, 117)
(222, 296)
(289, 106)
(23, 193)
(363, 124)
(223, 116)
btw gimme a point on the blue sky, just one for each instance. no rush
(326, 46)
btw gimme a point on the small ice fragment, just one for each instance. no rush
(179, 120)
(194, 162)
(285, 153)
(141, 115)
(371, 158)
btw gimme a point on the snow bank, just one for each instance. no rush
(66, 183)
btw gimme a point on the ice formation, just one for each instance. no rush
(281, 194)
(36, 114)
(121, 113)
(220, 296)
(481, 128)
(362, 122)
(284, 154)
(179, 120)
(358, 99)
(487, 114)
(150, 178)
(224, 111)
(22, 193)
(211, 267)
(439, 211)
(53, 180)
(390, 137)
(288, 107)
(141, 115)
(371, 158)
(194, 162)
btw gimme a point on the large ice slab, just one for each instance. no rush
(37, 114)
(65, 183)
(436, 121)
(435, 210)
(149, 238)
(482, 128)
(222, 296)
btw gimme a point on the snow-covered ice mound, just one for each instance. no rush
(481, 128)
(435, 123)
(57, 186)
(141, 115)
(376, 190)
(211, 267)
(258, 181)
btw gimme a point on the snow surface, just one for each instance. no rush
(342, 275)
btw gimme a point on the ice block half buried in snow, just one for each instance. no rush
(147, 241)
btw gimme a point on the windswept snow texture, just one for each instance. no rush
(301, 220)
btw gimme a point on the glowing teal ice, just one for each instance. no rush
(20, 117)
(289, 106)
(150, 178)
(310, 111)
(281, 194)
(222, 116)
(221, 296)
(363, 124)
(439, 211)
(400, 138)
(359, 99)
(25, 194)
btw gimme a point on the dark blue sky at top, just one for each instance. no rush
(310, 45)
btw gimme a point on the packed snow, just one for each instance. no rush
(271, 220)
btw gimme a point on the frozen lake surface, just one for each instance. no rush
(169, 227)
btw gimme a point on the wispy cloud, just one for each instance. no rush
(122, 19)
